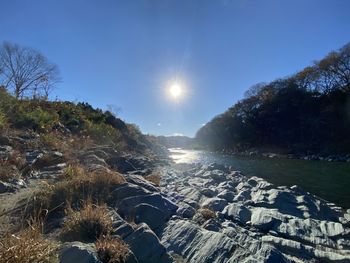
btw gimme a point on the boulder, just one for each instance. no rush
(186, 211)
(146, 246)
(237, 212)
(195, 244)
(7, 187)
(150, 215)
(216, 204)
(127, 205)
(77, 252)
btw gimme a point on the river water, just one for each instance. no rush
(328, 180)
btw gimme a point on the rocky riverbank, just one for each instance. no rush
(197, 213)
(300, 156)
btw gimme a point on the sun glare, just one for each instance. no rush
(175, 90)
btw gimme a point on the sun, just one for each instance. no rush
(175, 90)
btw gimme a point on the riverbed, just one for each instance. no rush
(328, 180)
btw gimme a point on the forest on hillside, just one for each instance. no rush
(308, 112)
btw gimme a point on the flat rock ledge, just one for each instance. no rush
(250, 220)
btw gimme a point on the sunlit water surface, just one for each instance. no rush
(328, 180)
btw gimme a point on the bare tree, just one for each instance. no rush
(26, 71)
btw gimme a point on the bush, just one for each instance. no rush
(88, 224)
(82, 186)
(154, 178)
(207, 213)
(3, 121)
(27, 246)
(36, 119)
(112, 250)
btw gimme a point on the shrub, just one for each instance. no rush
(88, 224)
(154, 178)
(28, 246)
(111, 250)
(96, 185)
(82, 186)
(3, 121)
(207, 213)
(36, 119)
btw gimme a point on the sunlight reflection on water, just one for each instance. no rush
(184, 156)
(329, 180)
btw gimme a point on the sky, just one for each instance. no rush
(124, 55)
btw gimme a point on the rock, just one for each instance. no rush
(186, 211)
(195, 244)
(212, 225)
(77, 252)
(123, 230)
(7, 187)
(140, 181)
(207, 192)
(227, 195)
(265, 219)
(237, 212)
(146, 246)
(128, 190)
(5, 152)
(150, 215)
(127, 205)
(215, 204)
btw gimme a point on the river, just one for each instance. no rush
(328, 180)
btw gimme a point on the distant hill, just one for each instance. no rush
(174, 141)
(308, 112)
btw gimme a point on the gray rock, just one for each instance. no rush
(123, 230)
(237, 212)
(7, 187)
(128, 190)
(127, 205)
(146, 246)
(195, 244)
(77, 252)
(186, 211)
(215, 204)
(150, 215)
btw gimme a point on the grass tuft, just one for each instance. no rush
(88, 224)
(154, 178)
(207, 213)
(28, 246)
(112, 250)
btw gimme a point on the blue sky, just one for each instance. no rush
(125, 53)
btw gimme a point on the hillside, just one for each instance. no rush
(173, 141)
(305, 113)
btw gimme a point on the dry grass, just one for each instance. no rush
(207, 213)
(67, 144)
(28, 246)
(73, 170)
(154, 178)
(81, 186)
(9, 168)
(111, 250)
(95, 185)
(88, 224)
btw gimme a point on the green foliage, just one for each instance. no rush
(36, 119)
(307, 112)
(3, 120)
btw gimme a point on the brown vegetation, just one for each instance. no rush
(207, 213)
(88, 224)
(111, 250)
(154, 178)
(28, 246)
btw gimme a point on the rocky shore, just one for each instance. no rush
(201, 213)
(300, 156)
